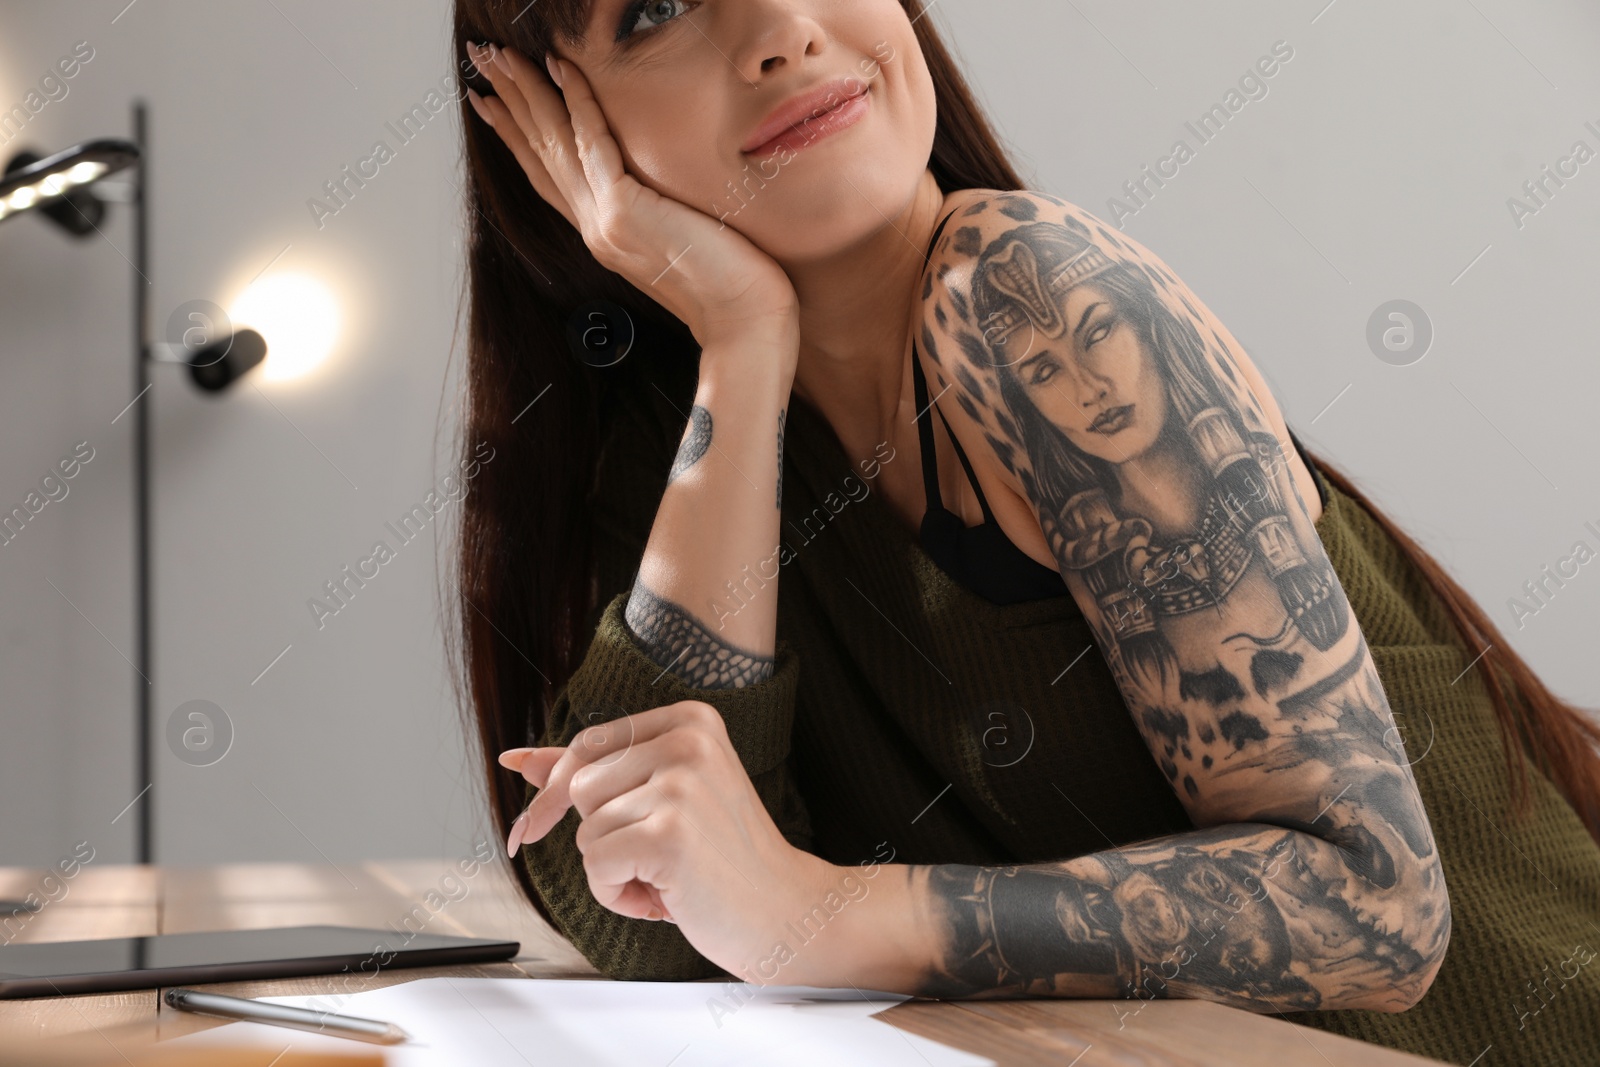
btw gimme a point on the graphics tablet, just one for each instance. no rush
(56, 967)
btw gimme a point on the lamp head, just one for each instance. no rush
(220, 364)
(58, 185)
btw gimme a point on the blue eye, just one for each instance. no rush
(637, 11)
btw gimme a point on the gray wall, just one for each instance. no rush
(350, 746)
(1377, 166)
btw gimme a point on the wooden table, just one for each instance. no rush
(131, 900)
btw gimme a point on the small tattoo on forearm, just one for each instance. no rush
(678, 643)
(782, 412)
(696, 442)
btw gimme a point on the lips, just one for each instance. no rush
(1112, 419)
(807, 105)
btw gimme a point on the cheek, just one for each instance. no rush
(1137, 377)
(1119, 358)
(660, 165)
(1054, 401)
(1152, 390)
(669, 154)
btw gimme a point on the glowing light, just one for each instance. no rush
(85, 172)
(299, 318)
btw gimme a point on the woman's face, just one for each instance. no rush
(690, 83)
(1097, 383)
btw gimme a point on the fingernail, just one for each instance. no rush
(512, 838)
(512, 758)
(654, 913)
(499, 58)
(483, 113)
(553, 65)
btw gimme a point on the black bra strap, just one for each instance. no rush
(988, 516)
(930, 462)
(937, 230)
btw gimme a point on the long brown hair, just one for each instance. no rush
(525, 595)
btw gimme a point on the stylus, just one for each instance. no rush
(257, 1011)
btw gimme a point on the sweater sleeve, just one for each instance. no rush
(616, 678)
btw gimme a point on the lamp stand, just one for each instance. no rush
(143, 852)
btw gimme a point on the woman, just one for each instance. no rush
(1231, 801)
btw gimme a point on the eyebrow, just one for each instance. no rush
(597, 13)
(1084, 318)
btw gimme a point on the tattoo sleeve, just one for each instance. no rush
(1129, 418)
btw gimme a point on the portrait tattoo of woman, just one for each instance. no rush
(1173, 434)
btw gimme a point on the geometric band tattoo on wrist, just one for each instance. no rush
(676, 642)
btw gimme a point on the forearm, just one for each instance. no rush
(705, 602)
(1248, 914)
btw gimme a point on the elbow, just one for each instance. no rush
(1399, 894)
(1433, 948)
(1427, 934)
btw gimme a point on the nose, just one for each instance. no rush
(1092, 388)
(775, 34)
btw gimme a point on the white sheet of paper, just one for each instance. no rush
(519, 1022)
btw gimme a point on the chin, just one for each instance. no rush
(1142, 439)
(1095, 444)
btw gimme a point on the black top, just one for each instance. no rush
(982, 557)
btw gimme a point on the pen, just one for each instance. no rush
(257, 1011)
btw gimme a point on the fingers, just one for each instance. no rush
(532, 763)
(596, 149)
(634, 899)
(499, 116)
(625, 825)
(513, 838)
(594, 785)
(549, 114)
(623, 860)
(610, 743)
(538, 98)
(478, 106)
(542, 114)
(655, 898)
(511, 93)
(508, 113)
(588, 787)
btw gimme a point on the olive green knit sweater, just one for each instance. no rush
(909, 714)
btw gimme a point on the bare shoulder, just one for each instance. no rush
(1005, 285)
